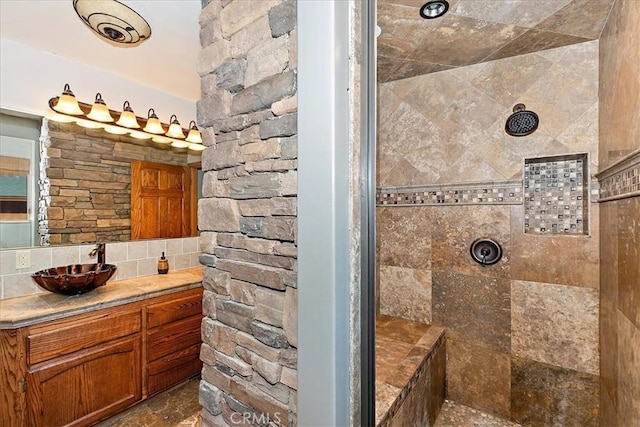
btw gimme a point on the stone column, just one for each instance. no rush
(247, 216)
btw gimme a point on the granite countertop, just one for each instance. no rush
(32, 309)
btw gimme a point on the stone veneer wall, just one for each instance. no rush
(620, 217)
(522, 334)
(248, 116)
(90, 183)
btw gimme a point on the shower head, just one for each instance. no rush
(522, 122)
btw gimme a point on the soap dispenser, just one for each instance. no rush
(163, 265)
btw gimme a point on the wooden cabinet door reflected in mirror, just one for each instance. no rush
(162, 200)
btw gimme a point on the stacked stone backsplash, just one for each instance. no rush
(248, 117)
(89, 174)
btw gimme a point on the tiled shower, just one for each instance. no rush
(523, 334)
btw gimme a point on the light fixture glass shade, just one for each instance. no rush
(100, 111)
(179, 144)
(194, 134)
(67, 103)
(60, 118)
(153, 123)
(116, 130)
(127, 118)
(175, 130)
(161, 139)
(140, 135)
(197, 147)
(89, 124)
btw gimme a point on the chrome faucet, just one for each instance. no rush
(101, 251)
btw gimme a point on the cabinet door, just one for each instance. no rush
(85, 387)
(160, 200)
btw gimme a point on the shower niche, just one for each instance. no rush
(556, 195)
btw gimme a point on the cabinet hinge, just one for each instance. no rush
(23, 385)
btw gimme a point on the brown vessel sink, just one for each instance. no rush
(74, 279)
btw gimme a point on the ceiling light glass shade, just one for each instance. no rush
(67, 103)
(115, 22)
(140, 135)
(89, 124)
(153, 123)
(175, 130)
(179, 144)
(128, 119)
(194, 134)
(100, 111)
(197, 147)
(161, 139)
(116, 130)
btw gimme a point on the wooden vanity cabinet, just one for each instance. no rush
(81, 369)
(173, 340)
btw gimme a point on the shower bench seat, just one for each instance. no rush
(410, 372)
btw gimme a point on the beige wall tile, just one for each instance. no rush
(629, 259)
(447, 127)
(620, 83)
(568, 260)
(473, 309)
(457, 227)
(555, 324)
(545, 395)
(405, 293)
(404, 236)
(609, 252)
(609, 348)
(479, 377)
(584, 18)
(628, 396)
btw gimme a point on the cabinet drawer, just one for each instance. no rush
(174, 368)
(74, 336)
(166, 312)
(171, 338)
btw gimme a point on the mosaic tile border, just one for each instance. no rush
(621, 180)
(556, 194)
(486, 193)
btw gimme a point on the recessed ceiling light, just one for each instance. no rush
(434, 9)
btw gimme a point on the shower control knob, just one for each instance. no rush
(486, 251)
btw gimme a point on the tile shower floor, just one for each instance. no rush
(456, 415)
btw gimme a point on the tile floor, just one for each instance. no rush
(176, 407)
(179, 407)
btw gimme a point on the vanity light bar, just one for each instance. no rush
(123, 123)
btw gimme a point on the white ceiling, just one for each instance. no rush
(166, 61)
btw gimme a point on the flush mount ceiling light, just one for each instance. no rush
(434, 9)
(117, 23)
(66, 108)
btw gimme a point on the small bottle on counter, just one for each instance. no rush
(163, 265)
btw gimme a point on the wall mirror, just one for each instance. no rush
(62, 184)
